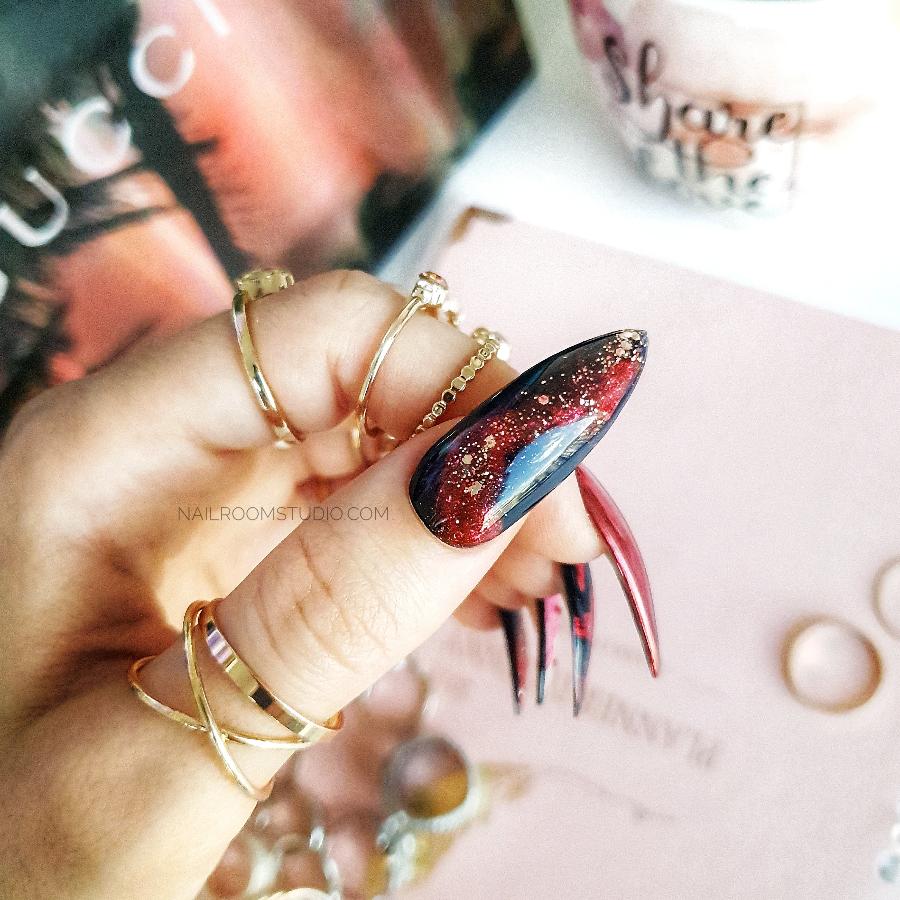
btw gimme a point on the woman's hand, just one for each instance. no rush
(111, 522)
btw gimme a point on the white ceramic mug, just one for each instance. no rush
(737, 102)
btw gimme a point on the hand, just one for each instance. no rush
(98, 562)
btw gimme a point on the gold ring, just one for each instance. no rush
(430, 294)
(249, 684)
(192, 724)
(490, 344)
(251, 286)
(204, 710)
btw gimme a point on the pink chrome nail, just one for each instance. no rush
(627, 559)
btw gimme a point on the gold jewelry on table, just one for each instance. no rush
(189, 722)
(204, 710)
(431, 295)
(246, 679)
(491, 345)
(420, 828)
(251, 286)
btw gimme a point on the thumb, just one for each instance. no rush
(349, 593)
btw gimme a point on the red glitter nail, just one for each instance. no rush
(508, 454)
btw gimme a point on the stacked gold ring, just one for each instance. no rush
(213, 730)
(192, 724)
(491, 345)
(306, 730)
(430, 295)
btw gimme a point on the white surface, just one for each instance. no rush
(553, 159)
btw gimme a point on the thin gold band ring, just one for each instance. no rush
(251, 286)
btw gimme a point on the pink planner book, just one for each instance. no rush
(758, 463)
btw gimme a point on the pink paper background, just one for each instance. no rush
(759, 465)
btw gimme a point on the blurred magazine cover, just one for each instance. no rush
(152, 151)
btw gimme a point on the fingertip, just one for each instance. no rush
(560, 529)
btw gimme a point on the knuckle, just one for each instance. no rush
(321, 608)
(357, 294)
(349, 310)
(362, 617)
(349, 286)
(339, 609)
(355, 281)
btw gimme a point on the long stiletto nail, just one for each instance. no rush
(627, 559)
(580, 600)
(515, 448)
(548, 612)
(517, 651)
